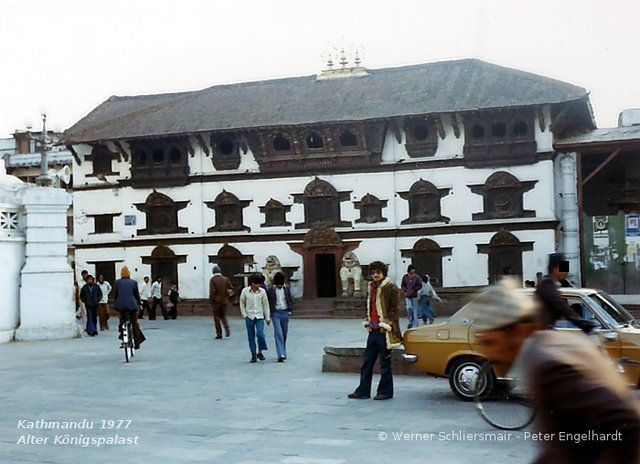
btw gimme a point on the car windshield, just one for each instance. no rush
(614, 312)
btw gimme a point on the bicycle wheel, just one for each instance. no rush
(130, 330)
(125, 341)
(505, 407)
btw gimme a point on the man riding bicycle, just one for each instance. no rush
(127, 303)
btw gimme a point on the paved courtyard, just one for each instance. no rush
(188, 398)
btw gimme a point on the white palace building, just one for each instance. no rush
(449, 165)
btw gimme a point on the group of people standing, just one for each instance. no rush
(259, 304)
(418, 293)
(151, 298)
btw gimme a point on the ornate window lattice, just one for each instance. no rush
(9, 220)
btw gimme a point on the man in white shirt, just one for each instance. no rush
(254, 306)
(145, 296)
(103, 306)
(156, 294)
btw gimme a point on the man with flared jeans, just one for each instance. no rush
(281, 304)
(254, 306)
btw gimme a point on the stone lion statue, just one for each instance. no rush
(272, 265)
(351, 275)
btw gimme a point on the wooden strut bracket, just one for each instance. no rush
(540, 115)
(190, 149)
(395, 127)
(600, 166)
(121, 150)
(456, 126)
(440, 127)
(74, 154)
(202, 144)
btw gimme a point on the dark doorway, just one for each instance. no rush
(108, 270)
(326, 275)
(504, 261)
(168, 270)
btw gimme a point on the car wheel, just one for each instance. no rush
(463, 378)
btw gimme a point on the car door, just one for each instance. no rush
(609, 339)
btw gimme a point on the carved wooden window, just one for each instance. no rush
(314, 141)
(421, 137)
(226, 151)
(370, 209)
(424, 203)
(231, 262)
(160, 162)
(281, 143)
(426, 255)
(228, 212)
(162, 214)
(505, 255)
(275, 214)
(348, 139)
(101, 158)
(499, 138)
(321, 204)
(503, 197)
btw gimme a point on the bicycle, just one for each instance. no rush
(126, 329)
(507, 406)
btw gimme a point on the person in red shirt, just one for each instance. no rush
(384, 333)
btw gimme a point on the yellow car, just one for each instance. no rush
(447, 349)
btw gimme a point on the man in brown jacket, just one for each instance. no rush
(384, 333)
(220, 289)
(586, 414)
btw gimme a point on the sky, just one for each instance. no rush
(65, 57)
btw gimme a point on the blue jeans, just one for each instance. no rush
(425, 311)
(280, 329)
(412, 311)
(376, 348)
(92, 320)
(255, 327)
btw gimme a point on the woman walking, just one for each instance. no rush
(127, 301)
(254, 306)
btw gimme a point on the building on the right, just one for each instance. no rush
(607, 171)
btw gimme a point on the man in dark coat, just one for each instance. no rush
(585, 412)
(555, 307)
(91, 296)
(127, 300)
(281, 304)
(220, 290)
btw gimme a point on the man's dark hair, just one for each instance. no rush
(84, 271)
(89, 276)
(379, 266)
(410, 268)
(278, 278)
(557, 260)
(255, 279)
(425, 278)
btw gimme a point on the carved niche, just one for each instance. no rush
(370, 208)
(499, 138)
(231, 262)
(321, 205)
(162, 214)
(228, 212)
(101, 158)
(275, 214)
(317, 148)
(159, 162)
(502, 194)
(424, 203)
(421, 137)
(505, 255)
(226, 151)
(426, 255)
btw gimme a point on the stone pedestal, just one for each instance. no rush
(46, 293)
(11, 252)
